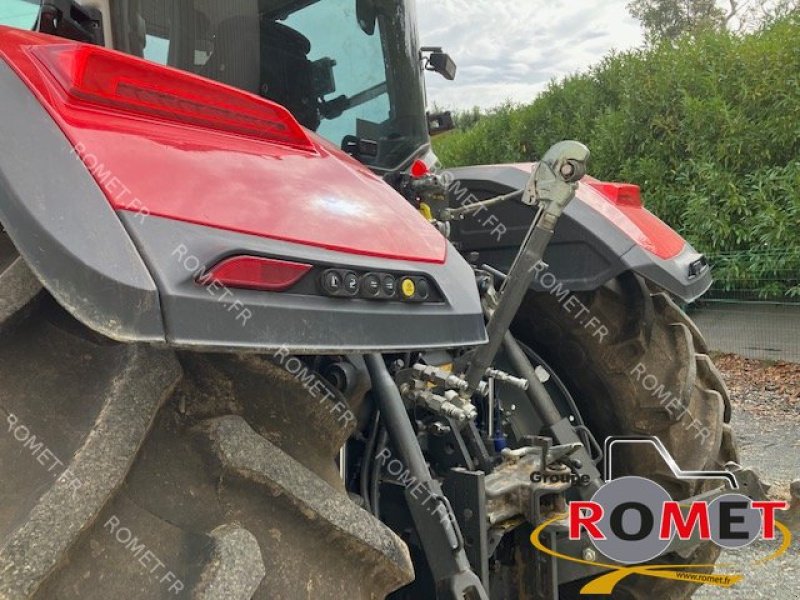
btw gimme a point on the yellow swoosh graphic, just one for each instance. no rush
(604, 584)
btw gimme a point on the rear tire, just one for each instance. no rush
(127, 471)
(614, 379)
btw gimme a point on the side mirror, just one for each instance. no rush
(68, 19)
(367, 15)
(440, 62)
(322, 79)
(440, 123)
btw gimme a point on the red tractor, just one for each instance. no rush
(235, 362)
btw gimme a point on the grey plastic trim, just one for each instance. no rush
(65, 228)
(206, 317)
(671, 274)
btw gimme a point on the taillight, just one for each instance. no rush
(256, 273)
(626, 194)
(419, 169)
(104, 78)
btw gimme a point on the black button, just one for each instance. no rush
(351, 284)
(423, 289)
(697, 267)
(332, 282)
(372, 285)
(389, 285)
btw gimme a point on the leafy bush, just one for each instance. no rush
(709, 126)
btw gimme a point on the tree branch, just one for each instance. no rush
(734, 10)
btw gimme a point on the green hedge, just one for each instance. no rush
(708, 126)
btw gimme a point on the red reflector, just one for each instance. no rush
(257, 273)
(419, 169)
(93, 75)
(626, 194)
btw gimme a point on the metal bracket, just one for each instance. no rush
(70, 20)
(555, 179)
(430, 510)
(467, 493)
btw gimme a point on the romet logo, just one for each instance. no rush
(633, 520)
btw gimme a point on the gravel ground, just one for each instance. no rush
(766, 419)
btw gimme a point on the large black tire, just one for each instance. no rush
(127, 471)
(647, 335)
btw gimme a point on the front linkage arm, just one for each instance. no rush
(551, 187)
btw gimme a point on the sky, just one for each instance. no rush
(510, 49)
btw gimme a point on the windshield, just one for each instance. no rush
(347, 69)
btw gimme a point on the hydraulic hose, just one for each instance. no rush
(369, 450)
(540, 399)
(394, 416)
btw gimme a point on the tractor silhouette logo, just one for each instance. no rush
(633, 520)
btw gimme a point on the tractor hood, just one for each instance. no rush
(159, 206)
(183, 147)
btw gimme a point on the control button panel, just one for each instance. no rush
(342, 283)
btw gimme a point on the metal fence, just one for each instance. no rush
(756, 275)
(753, 308)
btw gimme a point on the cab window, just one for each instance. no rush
(19, 13)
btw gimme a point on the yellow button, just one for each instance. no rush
(408, 288)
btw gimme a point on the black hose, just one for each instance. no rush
(375, 481)
(441, 538)
(367, 457)
(540, 399)
(395, 418)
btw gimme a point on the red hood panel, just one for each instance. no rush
(643, 227)
(223, 180)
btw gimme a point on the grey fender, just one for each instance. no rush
(65, 229)
(587, 250)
